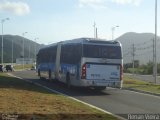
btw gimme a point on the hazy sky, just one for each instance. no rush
(56, 20)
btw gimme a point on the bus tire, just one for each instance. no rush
(68, 82)
(39, 74)
(49, 74)
(100, 88)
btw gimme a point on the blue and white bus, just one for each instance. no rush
(83, 62)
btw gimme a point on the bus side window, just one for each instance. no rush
(71, 54)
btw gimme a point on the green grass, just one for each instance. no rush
(140, 85)
(135, 70)
(131, 70)
(28, 100)
(26, 66)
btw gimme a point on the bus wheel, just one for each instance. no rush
(49, 74)
(68, 82)
(100, 88)
(39, 74)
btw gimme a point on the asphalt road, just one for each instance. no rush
(116, 101)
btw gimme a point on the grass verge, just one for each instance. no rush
(132, 83)
(30, 101)
(20, 67)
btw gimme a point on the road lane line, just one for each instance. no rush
(54, 91)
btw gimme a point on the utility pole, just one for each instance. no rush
(155, 68)
(133, 55)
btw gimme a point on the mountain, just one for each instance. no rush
(141, 44)
(17, 47)
(143, 47)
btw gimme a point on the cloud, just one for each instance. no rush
(92, 3)
(123, 2)
(104, 3)
(17, 8)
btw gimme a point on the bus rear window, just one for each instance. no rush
(102, 51)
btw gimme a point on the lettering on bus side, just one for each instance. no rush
(69, 68)
(95, 75)
(114, 74)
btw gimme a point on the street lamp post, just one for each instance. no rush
(35, 48)
(113, 29)
(12, 52)
(29, 56)
(23, 34)
(2, 21)
(155, 43)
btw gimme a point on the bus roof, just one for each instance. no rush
(90, 40)
(85, 41)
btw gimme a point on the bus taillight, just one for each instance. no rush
(83, 76)
(121, 72)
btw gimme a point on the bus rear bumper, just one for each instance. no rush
(95, 83)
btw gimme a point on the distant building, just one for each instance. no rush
(26, 61)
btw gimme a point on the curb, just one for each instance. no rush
(54, 91)
(141, 91)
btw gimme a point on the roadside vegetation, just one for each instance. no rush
(146, 69)
(33, 102)
(20, 67)
(132, 83)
